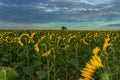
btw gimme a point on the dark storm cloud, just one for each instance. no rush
(31, 14)
(116, 2)
(109, 11)
(20, 14)
(45, 11)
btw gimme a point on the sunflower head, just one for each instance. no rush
(95, 50)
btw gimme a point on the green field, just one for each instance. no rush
(59, 55)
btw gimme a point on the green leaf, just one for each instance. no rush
(11, 73)
(3, 73)
(41, 74)
(22, 54)
(28, 70)
(7, 73)
(58, 79)
(74, 62)
(104, 76)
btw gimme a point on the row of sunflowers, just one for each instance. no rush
(61, 55)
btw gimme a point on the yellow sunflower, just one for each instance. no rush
(94, 63)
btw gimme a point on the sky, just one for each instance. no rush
(53, 14)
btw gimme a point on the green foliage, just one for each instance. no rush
(41, 74)
(104, 76)
(64, 62)
(7, 73)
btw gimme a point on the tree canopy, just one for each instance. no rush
(64, 28)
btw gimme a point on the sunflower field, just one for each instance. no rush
(59, 55)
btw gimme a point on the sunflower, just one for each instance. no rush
(84, 39)
(1, 37)
(91, 66)
(10, 37)
(20, 38)
(71, 37)
(37, 47)
(42, 38)
(45, 54)
(95, 50)
(106, 44)
(32, 36)
(51, 37)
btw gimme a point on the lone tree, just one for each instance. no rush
(64, 28)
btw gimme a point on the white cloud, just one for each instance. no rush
(97, 2)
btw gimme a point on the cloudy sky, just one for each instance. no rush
(52, 14)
